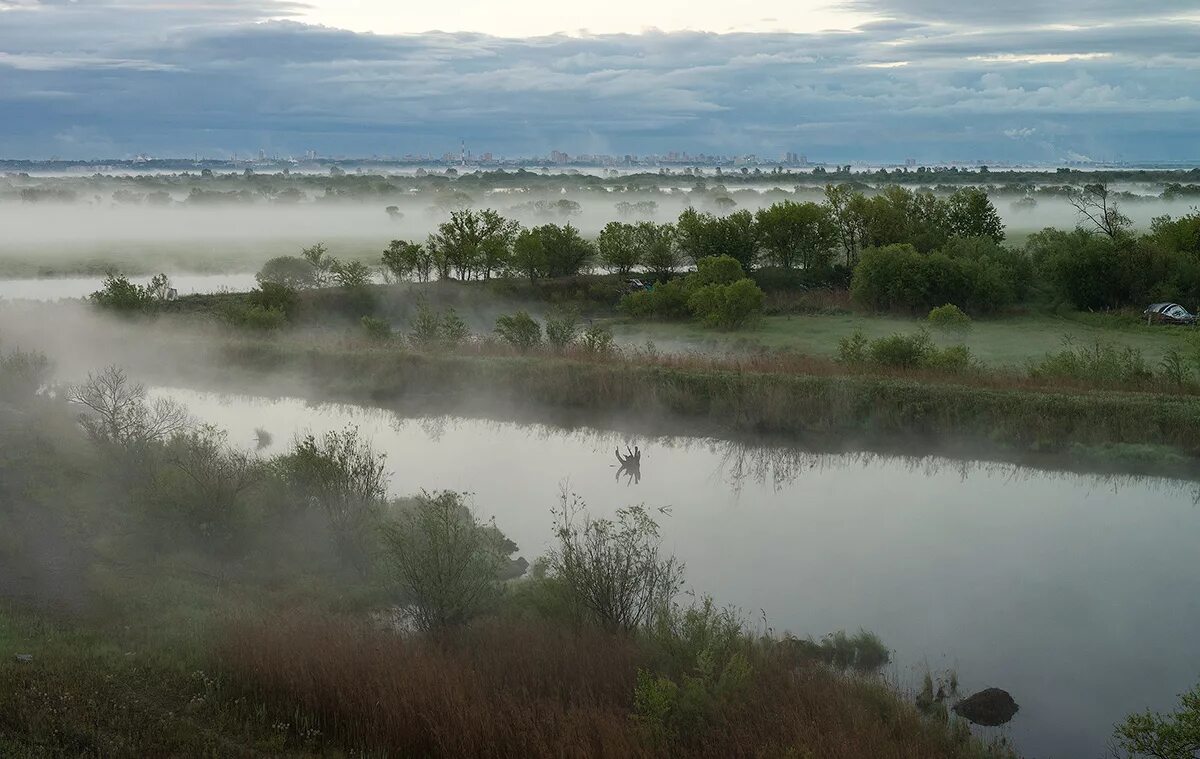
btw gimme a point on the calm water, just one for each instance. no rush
(1077, 594)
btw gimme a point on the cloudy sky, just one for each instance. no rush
(840, 80)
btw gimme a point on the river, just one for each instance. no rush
(1078, 594)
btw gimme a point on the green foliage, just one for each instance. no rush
(727, 306)
(618, 247)
(472, 244)
(377, 329)
(614, 569)
(562, 328)
(351, 274)
(519, 330)
(552, 251)
(701, 235)
(717, 294)
(1174, 368)
(321, 262)
(1084, 269)
(257, 317)
(119, 294)
(949, 317)
(597, 340)
(915, 351)
(431, 329)
(288, 271)
(657, 250)
(448, 564)
(1099, 362)
(273, 296)
(340, 474)
(969, 213)
(1164, 736)
(977, 275)
(797, 235)
(408, 260)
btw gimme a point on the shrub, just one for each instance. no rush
(519, 330)
(448, 564)
(119, 294)
(562, 327)
(598, 340)
(270, 295)
(426, 326)
(1169, 736)
(1102, 363)
(23, 374)
(256, 317)
(949, 317)
(614, 569)
(901, 351)
(852, 349)
(350, 274)
(377, 329)
(343, 476)
(454, 330)
(728, 306)
(288, 271)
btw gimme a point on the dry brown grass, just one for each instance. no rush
(505, 689)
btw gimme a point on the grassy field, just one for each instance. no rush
(1011, 341)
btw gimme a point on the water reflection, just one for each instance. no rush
(1076, 593)
(631, 465)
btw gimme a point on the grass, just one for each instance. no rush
(1009, 341)
(505, 689)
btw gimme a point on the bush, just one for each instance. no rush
(519, 330)
(976, 274)
(613, 569)
(256, 318)
(23, 374)
(949, 317)
(1102, 363)
(727, 306)
(852, 349)
(598, 340)
(448, 564)
(292, 272)
(901, 351)
(562, 327)
(1169, 736)
(274, 296)
(377, 329)
(119, 294)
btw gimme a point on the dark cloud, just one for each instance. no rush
(215, 78)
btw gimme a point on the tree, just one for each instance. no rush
(1098, 211)
(618, 246)
(318, 256)
(797, 234)
(351, 274)
(656, 248)
(701, 235)
(969, 213)
(290, 271)
(449, 564)
(846, 208)
(408, 260)
(118, 412)
(529, 255)
(551, 250)
(474, 243)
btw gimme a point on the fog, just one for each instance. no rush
(48, 239)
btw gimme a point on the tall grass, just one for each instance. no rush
(535, 690)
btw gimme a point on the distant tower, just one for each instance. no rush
(463, 158)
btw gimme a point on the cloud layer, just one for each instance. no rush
(932, 79)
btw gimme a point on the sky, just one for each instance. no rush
(843, 80)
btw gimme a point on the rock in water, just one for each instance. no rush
(989, 707)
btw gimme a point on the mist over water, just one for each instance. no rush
(1050, 586)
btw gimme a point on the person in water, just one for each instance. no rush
(631, 465)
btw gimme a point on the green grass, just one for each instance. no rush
(1009, 341)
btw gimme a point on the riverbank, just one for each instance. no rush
(1136, 433)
